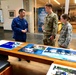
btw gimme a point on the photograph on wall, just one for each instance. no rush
(12, 14)
(56, 69)
(41, 17)
(1, 16)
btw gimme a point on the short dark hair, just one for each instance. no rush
(65, 16)
(49, 5)
(21, 10)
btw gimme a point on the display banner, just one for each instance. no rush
(41, 17)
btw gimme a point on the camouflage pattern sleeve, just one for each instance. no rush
(68, 36)
(55, 25)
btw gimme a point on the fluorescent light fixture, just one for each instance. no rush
(57, 2)
(75, 1)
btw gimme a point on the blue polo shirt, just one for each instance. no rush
(18, 25)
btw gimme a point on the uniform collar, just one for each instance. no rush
(50, 14)
(19, 18)
(66, 23)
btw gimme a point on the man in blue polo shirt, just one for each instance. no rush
(20, 27)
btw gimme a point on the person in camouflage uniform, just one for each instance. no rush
(66, 32)
(50, 26)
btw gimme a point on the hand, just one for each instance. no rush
(52, 37)
(24, 31)
(62, 46)
(43, 27)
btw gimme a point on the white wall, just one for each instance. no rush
(7, 5)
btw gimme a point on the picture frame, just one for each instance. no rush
(12, 14)
(1, 16)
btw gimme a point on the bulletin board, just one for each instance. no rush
(1, 16)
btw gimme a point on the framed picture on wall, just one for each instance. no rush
(1, 16)
(12, 14)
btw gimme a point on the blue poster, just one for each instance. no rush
(9, 45)
(33, 49)
(41, 17)
(58, 53)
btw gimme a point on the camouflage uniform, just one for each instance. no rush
(65, 35)
(50, 29)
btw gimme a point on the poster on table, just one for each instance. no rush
(56, 69)
(9, 45)
(48, 51)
